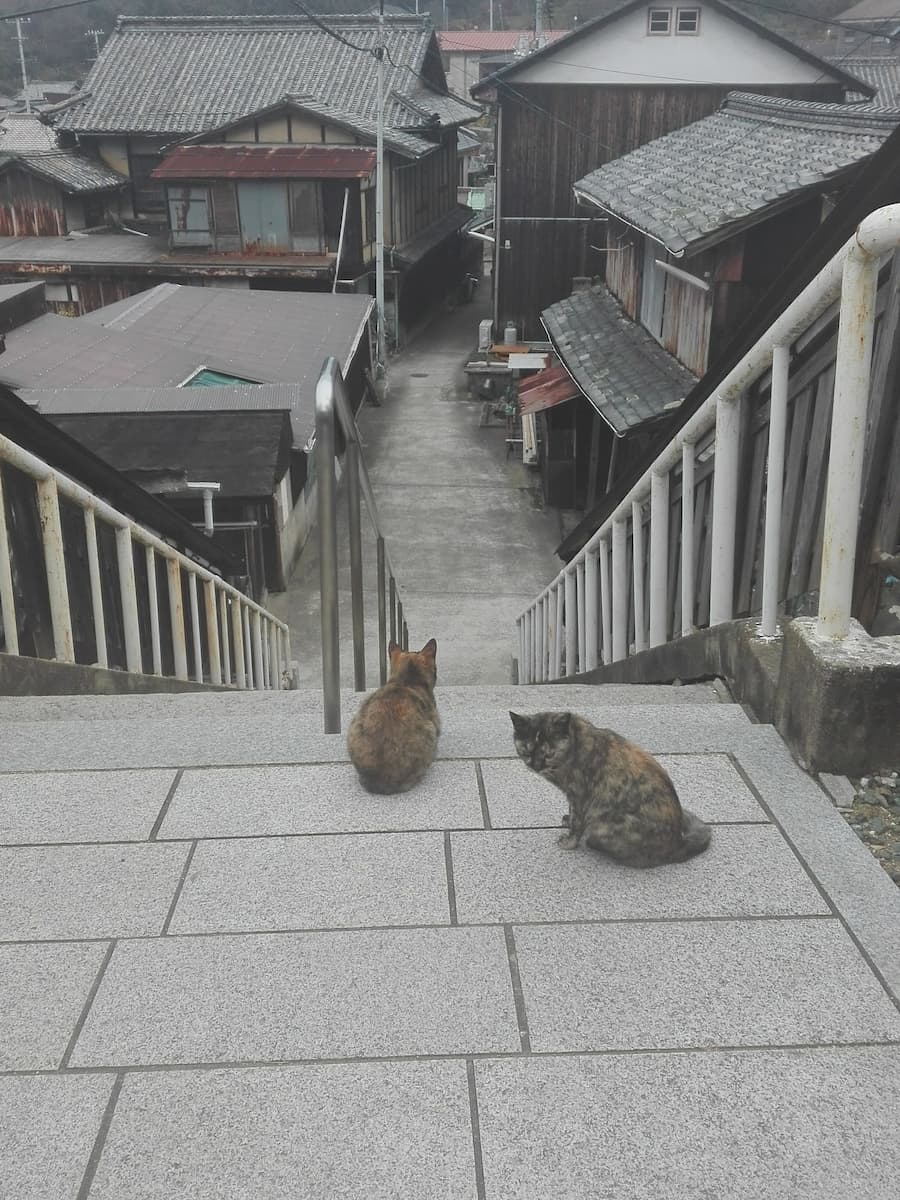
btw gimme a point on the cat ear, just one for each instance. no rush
(520, 723)
(429, 649)
(392, 648)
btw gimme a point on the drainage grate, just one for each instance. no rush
(418, 374)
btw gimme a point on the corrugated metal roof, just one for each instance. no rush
(246, 452)
(624, 372)
(723, 173)
(267, 162)
(546, 389)
(187, 74)
(88, 249)
(416, 249)
(473, 40)
(161, 337)
(23, 138)
(870, 10)
(165, 399)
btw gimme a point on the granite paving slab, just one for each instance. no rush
(43, 990)
(247, 801)
(362, 1131)
(276, 997)
(708, 784)
(675, 984)
(524, 876)
(49, 892)
(81, 806)
(48, 1125)
(809, 1124)
(314, 883)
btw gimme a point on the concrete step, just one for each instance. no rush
(217, 730)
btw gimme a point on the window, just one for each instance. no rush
(687, 20)
(189, 216)
(659, 20)
(149, 194)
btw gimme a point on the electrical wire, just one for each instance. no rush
(33, 12)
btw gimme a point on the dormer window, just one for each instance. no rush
(687, 20)
(659, 21)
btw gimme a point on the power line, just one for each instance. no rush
(319, 23)
(833, 24)
(33, 12)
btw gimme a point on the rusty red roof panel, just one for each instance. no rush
(551, 386)
(267, 162)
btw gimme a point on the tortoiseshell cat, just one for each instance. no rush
(393, 738)
(619, 797)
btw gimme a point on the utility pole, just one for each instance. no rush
(491, 15)
(380, 366)
(538, 23)
(96, 34)
(21, 40)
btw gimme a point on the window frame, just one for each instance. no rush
(659, 11)
(679, 12)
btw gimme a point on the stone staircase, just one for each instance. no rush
(228, 972)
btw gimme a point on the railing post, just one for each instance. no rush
(93, 555)
(848, 428)
(552, 633)
(529, 639)
(382, 613)
(237, 637)
(591, 610)
(195, 627)
(520, 637)
(259, 672)
(55, 562)
(153, 601)
(7, 595)
(637, 572)
(724, 515)
(619, 592)
(328, 567)
(571, 622)
(392, 605)
(605, 602)
(579, 600)
(687, 537)
(540, 641)
(212, 632)
(223, 633)
(659, 557)
(252, 681)
(274, 664)
(774, 487)
(176, 618)
(128, 591)
(356, 568)
(559, 600)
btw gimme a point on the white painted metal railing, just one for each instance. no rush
(235, 643)
(592, 622)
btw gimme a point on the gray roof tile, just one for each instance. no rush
(189, 74)
(627, 376)
(881, 73)
(704, 181)
(25, 139)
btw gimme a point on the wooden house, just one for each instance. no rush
(242, 136)
(46, 191)
(606, 88)
(471, 54)
(700, 224)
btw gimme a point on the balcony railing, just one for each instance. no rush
(595, 610)
(172, 616)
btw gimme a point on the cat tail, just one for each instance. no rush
(695, 836)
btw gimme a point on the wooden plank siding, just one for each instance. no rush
(810, 400)
(551, 135)
(30, 207)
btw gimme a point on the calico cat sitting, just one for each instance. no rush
(620, 798)
(393, 738)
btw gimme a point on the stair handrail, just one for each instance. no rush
(332, 406)
(562, 629)
(245, 645)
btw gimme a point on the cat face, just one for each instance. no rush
(543, 741)
(419, 664)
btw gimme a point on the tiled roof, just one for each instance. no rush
(188, 74)
(624, 372)
(24, 138)
(722, 173)
(881, 73)
(475, 40)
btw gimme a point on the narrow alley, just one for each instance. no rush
(465, 531)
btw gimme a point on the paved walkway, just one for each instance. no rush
(227, 972)
(469, 543)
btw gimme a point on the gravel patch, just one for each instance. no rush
(875, 818)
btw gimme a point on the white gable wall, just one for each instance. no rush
(724, 52)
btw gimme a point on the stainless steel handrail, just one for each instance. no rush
(332, 406)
